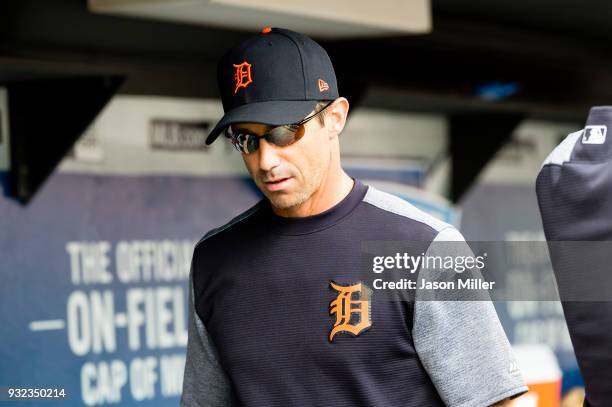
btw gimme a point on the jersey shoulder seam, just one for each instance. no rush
(394, 204)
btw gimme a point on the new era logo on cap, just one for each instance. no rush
(594, 134)
(323, 86)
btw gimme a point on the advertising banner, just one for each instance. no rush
(94, 290)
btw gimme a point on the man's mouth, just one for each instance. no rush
(276, 181)
(277, 184)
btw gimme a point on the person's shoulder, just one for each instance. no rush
(563, 152)
(393, 204)
(232, 224)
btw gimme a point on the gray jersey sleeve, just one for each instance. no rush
(204, 382)
(462, 344)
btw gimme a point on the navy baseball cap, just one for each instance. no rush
(273, 78)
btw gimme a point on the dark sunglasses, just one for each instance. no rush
(282, 136)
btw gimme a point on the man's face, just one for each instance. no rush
(288, 176)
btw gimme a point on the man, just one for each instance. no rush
(574, 190)
(278, 316)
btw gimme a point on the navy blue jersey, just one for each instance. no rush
(574, 191)
(267, 293)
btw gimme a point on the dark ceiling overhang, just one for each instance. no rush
(554, 73)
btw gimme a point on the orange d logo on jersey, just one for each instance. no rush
(345, 307)
(242, 75)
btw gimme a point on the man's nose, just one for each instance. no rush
(268, 156)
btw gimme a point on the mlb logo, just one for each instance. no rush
(594, 135)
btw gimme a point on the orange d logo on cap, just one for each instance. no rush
(242, 75)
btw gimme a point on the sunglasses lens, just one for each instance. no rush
(285, 135)
(251, 144)
(280, 136)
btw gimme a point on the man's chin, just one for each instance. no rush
(285, 200)
(282, 202)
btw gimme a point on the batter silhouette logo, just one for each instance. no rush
(242, 75)
(594, 135)
(351, 308)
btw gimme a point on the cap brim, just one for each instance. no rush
(273, 113)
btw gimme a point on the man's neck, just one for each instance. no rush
(331, 192)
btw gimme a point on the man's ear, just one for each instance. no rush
(336, 116)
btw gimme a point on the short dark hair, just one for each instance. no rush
(320, 105)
